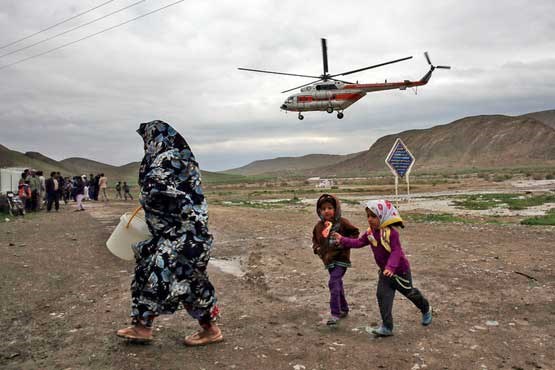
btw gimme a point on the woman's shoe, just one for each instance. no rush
(136, 333)
(204, 337)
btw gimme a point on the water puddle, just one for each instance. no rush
(228, 266)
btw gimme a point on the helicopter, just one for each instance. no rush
(330, 94)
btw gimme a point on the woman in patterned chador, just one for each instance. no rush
(170, 272)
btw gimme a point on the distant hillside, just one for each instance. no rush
(480, 142)
(87, 166)
(12, 158)
(289, 165)
(547, 117)
(486, 141)
(80, 166)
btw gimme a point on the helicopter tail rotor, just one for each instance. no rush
(428, 75)
(431, 65)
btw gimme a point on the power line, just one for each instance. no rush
(72, 29)
(57, 24)
(92, 35)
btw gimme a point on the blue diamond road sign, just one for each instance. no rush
(400, 159)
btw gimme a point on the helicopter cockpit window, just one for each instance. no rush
(289, 99)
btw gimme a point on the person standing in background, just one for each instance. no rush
(42, 190)
(126, 191)
(34, 185)
(80, 193)
(96, 187)
(118, 190)
(90, 184)
(52, 194)
(103, 184)
(61, 186)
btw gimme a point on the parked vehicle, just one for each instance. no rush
(16, 206)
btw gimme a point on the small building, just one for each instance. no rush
(325, 184)
(9, 179)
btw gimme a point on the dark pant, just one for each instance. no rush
(338, 303)
(52, 198)
(35, 200)
(386, 293)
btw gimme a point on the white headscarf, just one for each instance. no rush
(388, 215)
(386, 212)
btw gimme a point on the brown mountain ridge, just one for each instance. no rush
(485, 141)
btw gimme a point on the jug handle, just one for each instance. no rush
(133, 215)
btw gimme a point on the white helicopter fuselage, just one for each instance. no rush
(336, 96)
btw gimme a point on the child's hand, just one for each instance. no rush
(337, 236)
(387, 273)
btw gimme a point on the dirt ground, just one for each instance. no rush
(64, 295)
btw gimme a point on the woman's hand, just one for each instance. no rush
(387, 273)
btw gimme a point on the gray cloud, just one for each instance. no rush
(179, 65)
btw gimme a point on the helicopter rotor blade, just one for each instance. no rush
(430, 62)
(374, 66)
(277, 73)
(427, 58)
(325, 56)
(298, 87)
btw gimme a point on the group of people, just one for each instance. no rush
(35, 191)
(170, 271)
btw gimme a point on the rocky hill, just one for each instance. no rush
(79, 166)
(289, 165)
(486, 141)
(472, 142)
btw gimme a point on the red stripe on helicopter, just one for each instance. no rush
(346, 96)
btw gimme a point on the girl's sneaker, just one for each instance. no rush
(382, 331)
(427, 317)
(332, 321)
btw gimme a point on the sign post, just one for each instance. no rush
(400, 161)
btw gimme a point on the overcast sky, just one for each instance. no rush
(180, 65)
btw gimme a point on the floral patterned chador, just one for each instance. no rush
(170, 272)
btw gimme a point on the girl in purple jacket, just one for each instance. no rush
(394, 274)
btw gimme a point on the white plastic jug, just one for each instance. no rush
(132, 228)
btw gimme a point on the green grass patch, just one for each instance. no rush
(547, 219)
(3, 216)
(259, 204)
(351, 202)
(511, 201)
(435, 217)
